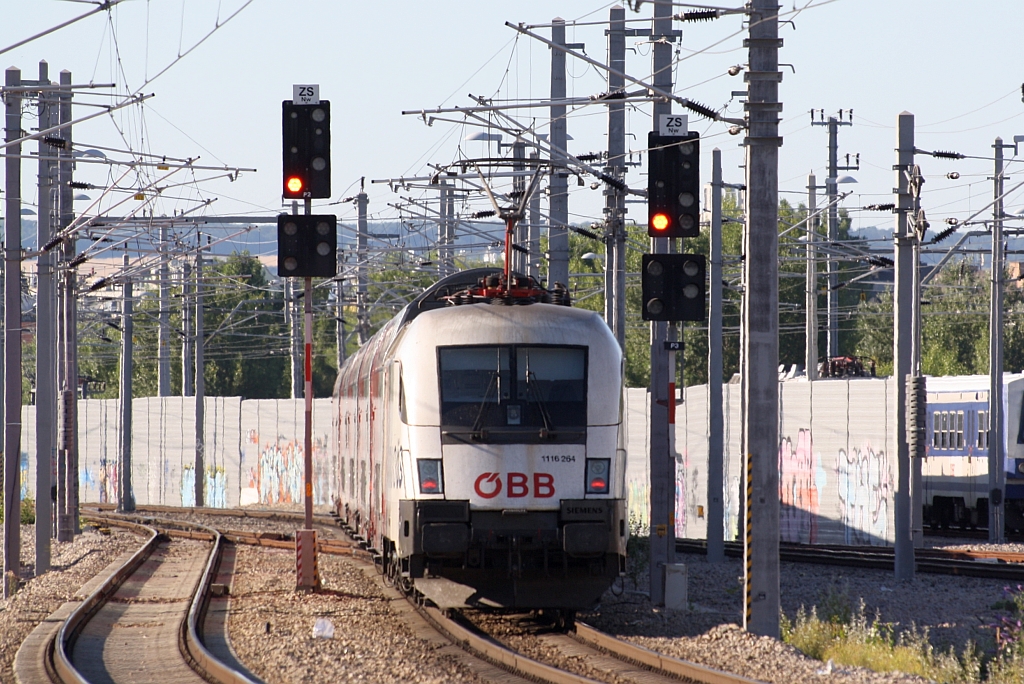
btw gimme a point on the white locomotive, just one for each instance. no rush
(482, 448)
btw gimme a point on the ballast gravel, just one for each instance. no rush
(72, 564)
(952, 610)
(271, 626)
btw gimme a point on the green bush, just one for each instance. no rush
(28, 510)
(848, 637)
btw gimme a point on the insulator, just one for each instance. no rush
(516, 194)
(589, 156)
(703, 110)
(78, 185)
(614, 182)
(77, 261)
(98, 285)
(616, 95)
(942, 235)
(880, 207)
(942, 154)
(586, 233)
(917, 406)
(520, 249)
(59, 143)
(699, 15)
(484, 214)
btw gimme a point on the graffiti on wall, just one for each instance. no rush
(801, 479)
(865, 487)
(214, 486)
(279, 472)
(638, 500)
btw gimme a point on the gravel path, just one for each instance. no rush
(73, 564)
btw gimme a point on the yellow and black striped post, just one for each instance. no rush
(748, 547)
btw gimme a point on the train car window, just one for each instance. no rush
(513, 394)
(935, 430)
(959, 429)
(983, 429)
(943, 434)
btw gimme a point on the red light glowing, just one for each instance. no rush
(294, 184)
(659, 222)
(598, 485)
(429, 486)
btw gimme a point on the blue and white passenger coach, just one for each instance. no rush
(482, 446)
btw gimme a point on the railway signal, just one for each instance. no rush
(306, 153)
(673, 185)
(673, 287)
(307, 245)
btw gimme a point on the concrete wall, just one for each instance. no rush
(254, 451)
(837, 465)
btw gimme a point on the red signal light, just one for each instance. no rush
(294, 184)
(660, 222)
(598, 485)
(429, 486)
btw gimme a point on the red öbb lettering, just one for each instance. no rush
(517, 486)
(493, 488)
(543, 485)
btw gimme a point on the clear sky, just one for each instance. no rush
(956, 66)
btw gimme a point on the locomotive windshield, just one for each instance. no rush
(513, 393)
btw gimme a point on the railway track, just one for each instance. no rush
(985, 564)
(592, 655)
(145, 622)
(150, 599)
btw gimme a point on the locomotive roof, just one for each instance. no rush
(431, 298)
(965, 383)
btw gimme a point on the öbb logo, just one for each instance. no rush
(517, 485)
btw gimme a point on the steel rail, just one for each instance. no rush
(658, 662)
(190, 642)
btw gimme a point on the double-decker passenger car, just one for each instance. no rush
(481, 446)
(955, 473)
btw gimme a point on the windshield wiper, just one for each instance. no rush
(531, 386)
(476, 431)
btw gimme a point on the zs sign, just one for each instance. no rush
(516, 485)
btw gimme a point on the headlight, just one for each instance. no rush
(431, 480)
(597, 473)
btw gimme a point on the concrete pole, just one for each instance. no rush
(615, 201)
(125, 492)
(716, 422)
(67, 464)
(662, 461)
(533, 229)
(362, 317)
(68, 516)
(831, 186)
(339, 312)
(558, 199)
(187, 369)
(12, 338)
(200, 382)
(996, 438)
(522, 229)
(444, 255)
(811, 323)
(163, 375)
(903, 343)
(761, 305)
(292, 306)
(46, 342)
